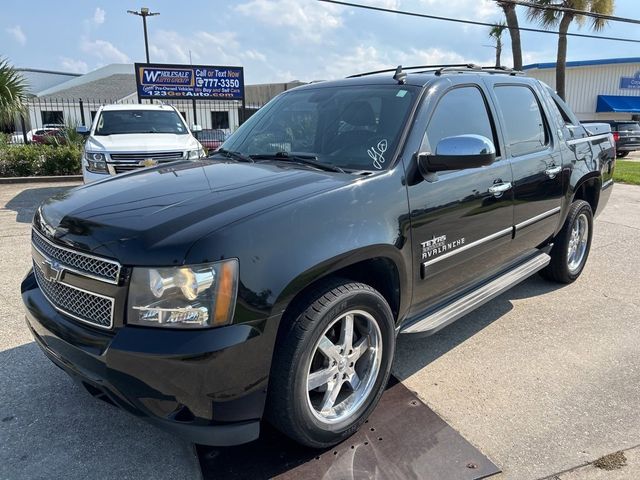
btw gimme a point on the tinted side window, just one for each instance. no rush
(462, 111)
(524, 125)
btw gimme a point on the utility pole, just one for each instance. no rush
(144, 13)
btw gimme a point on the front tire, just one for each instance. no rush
(572, 245)
(331, 364)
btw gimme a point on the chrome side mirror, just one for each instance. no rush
(457, 153)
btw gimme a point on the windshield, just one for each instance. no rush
(119, 122)
(629, 127)
(354, 128)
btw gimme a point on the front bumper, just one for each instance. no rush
(207, 386)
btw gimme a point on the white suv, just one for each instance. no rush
(128, 137)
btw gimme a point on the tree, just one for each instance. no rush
(562, 20)
(13, 91)
(514, 32)
(496, 33)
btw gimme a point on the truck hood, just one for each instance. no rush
(141, 143)
(153, 216)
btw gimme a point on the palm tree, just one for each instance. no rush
(13, 91)
(562, 20)
(514, 32)
(496, 34)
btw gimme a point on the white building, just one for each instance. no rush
(606, 89)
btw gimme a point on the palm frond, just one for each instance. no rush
(545, 17)
(603, 7)
(13, 92)
(498, 29)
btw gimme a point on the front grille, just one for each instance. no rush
(87, 307)
(125, 168)
(82, 263)
(157, 156)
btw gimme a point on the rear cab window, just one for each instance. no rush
(629, 127)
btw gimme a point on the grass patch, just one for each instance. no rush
(627, 172)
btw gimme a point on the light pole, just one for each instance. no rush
(144, 13)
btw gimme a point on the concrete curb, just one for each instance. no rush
(59, 178)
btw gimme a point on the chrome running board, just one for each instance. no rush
(460, 307)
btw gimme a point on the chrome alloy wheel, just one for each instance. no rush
(578, 243)
(344, 366)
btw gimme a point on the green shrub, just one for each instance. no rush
(37, 160)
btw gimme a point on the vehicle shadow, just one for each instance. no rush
(27, 201)
(414, 352)
(50, 427)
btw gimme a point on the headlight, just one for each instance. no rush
(196, 296)
(194, 154)
(96, 162)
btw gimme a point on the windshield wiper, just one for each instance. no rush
(305, 159)
(234, 155)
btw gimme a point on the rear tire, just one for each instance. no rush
(622, 154)
(572, 245)
(331, 363)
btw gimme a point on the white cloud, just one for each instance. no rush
(17, 34)
(219, 48)
(74, 66)
(479, 10)
(367, 58)
(309, 20)
(99, 16)
(254, 55)
(105, 51)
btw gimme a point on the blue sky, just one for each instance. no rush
(276, 40)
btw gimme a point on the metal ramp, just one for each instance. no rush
(403, 439)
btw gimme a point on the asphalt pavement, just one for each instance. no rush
(544, 380)
(50, 427)
(546, 377)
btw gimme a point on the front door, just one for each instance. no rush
(461, 220)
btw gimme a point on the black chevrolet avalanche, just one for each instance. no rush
(271, 279)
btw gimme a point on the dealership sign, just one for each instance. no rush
(189, 81)
(630, 82)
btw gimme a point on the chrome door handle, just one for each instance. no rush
(499, 188)
(553, 172)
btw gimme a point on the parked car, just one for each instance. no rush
(35, 135)
(626, 134)
(124, 138)
(49, 136)
(211, 139)
(271, 279)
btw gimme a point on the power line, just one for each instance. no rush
(473, 22)
(560, 8)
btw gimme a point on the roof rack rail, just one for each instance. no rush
(395, 69)
(440, 69)
(478, 68)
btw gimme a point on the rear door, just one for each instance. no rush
(461, 224)
(536, 160)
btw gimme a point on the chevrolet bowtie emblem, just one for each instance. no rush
(149, 162)
(51, 270)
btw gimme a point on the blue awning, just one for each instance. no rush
(618, 103)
